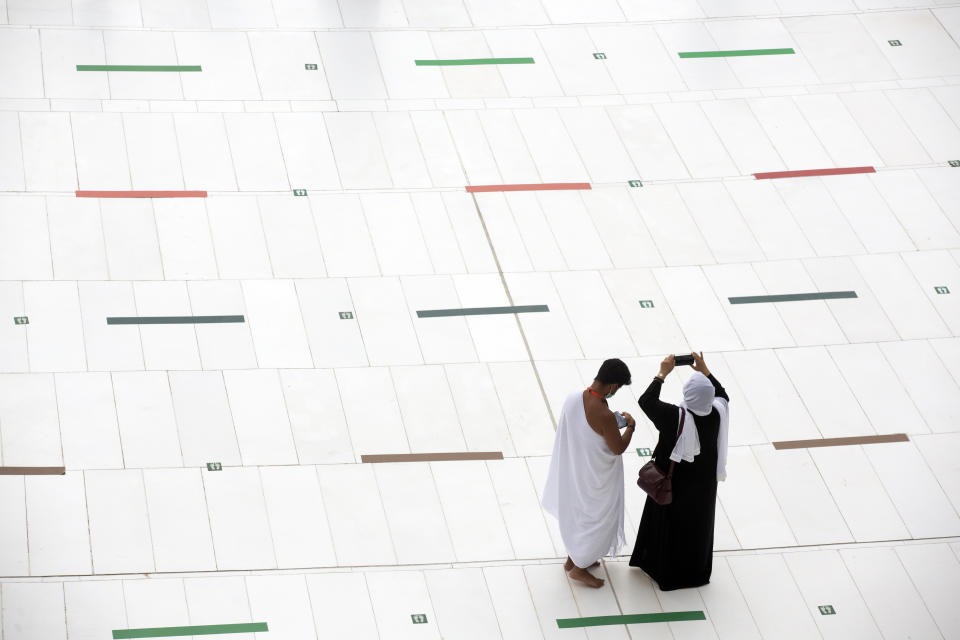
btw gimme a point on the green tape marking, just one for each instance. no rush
(634, 618)
(481, 311)
(174, 319)
(471, 61)
(794, 297)
(734, 53)
(200, 630)
(137, 67)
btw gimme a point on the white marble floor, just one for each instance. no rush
(333, 173)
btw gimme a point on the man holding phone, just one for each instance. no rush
(584, 489)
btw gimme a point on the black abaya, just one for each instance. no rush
(675, 541)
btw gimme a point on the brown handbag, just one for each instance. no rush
(656, 483)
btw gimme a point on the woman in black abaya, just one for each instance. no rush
(675, 541)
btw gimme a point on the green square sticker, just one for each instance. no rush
(214, 466)
(310, 67)
(827, 610)
(21, 320)
(346, 315)
(942, 290)
(635, 183)
(894, 43)
(644, 453)
(418, 618)
(600, 56)
(299, 192)
(954, 163)
(646, 304)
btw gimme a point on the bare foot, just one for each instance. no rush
(584, 576)
(568, 565)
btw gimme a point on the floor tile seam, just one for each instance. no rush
(506, 288)
(320, 465)
(461, 188)
(512, 361)
(920, 594)
(800, 594)
(541, 25)
(345, 104)
(532, 561)
(863, 596)
(933, 475)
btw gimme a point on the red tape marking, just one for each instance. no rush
(554, 186)
(813, 172)
(141, 194)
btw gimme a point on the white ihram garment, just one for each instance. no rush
(584, 489)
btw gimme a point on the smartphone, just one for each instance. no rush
(683, 360)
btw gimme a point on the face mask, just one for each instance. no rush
(610, 395)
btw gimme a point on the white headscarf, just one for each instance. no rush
(699, 398)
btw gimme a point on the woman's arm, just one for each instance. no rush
(718, 389)
(701, 366)
(657, 410)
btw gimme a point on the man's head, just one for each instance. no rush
(612, 375)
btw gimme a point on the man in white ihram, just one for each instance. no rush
(584, 488)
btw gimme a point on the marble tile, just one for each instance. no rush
(76, 239)
(885, 128)
(23, 80)
(774, 599)
(166, 346)
(350, 64)
(822, 577)
(341, 604)
(148, 428)
(88, 421)
(13, 530)
(48, 156)
(204, 421)
(418, 529)
(888, 591)
(394, 595)
(30, 427)
(214, 599)
(94, 608)
(472, 511)
(179, 521)
(119, 525)
(11, 156)
(930, 51)
(140, 48)
(933, 517)
(33, 610)
(298, 521)
(228, 70)
(57, 525)
(866, 507)
(358, 524)
(205, 152)
(316, 416)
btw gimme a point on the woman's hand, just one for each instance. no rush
(667, 365)
(631, 423)
(699, 364)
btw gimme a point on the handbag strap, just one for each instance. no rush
(683, 417)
